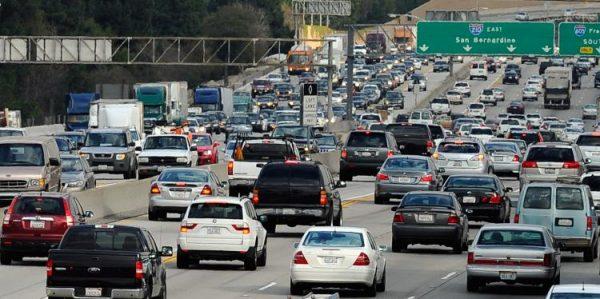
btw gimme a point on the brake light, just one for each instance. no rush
(185, 227)
(470, 258)
(139, 270)
(589, 222)
(255, 196)
(571, 164)
(362, 260)
(323, 198)
(548, 260)
(382, 177)
(516, 158)
(495, 199)
(154, 189)
(244, 228)
(390, 153)
(299, 259)
(398, 218)
(206, 190)
(516, 220)
(230, 168)
(68, 214)
(7, 216)
(291, 162)
(453, 219)
(292, 157)
(429, 144)
(49, 268)
(529, 164)
(426, 179)
(344, 154)
(484, 199)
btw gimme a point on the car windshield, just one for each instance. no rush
(487, 92)
(39, 205)
(550, 154)
(71, 165)
(587, 140)
(476, 106)
(439, 101)
(19, 154)
(187, 176)
(326, 140)
(165, 142)
(333, 239)
(461, 84)
(427, 200)
(63, 144)
(406, 164)
(215, 210)
(105, 140)
(294, 132)
(370, 117)
(458, 148)
(367, 139)
(501, 147)
(506, 237)
(471, 182)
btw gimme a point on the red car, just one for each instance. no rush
(207, 149)
(36, 222)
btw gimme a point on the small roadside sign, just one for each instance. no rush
(309, 104)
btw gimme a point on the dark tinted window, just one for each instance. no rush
(40, 206)
(501, 147)
(106, 139)
(273, 175)
(467, 182)
(569, 199)
(406, 164)
(265, 151)
(63, 144)
(548, 136)
(371, 117)
(408, 130)
(334, 239)
(586, 140)
(527, 137)
(511, 237)
(537, 198)
(216, 211)
(427, 200)
(550, 154)
(440, 101)
(367, 139)
(304, 175)
(88, 238)
(458, 148)
(436, 132)
(593, 182)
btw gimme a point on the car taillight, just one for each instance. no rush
(206, 190)
(426, 179)
(255, 198)
(516, 219)
(230, 168)
(382, 177)
(68, 214)
(7, 216)
(344, 154)
(429, 144)
(390, 153)
(362, 260)
(548, 260)
(292, 158)
(299, 259)
(470, 258)
(529, 164)
(139, 270)
(571, 164)
(185, 227)
(244, 228)
(453, 219)
(398, 218)
(495, 199)
(589, 222)
(516, 158)
(323, 198)
(154, 189)
(49, 268)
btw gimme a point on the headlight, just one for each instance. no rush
(84, 155)
(76, 184)
(37, 183)
(208, 152)
(120, 156)
(143, 159)
(182, 160)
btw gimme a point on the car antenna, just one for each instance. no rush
(583, 285)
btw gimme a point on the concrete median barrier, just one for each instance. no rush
(329, 159)
(126, 199)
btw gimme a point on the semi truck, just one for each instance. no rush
(214, 99)
(113, 91)
(404, 37)
(300, 59)
(78, 110)
(164, 102)
(558, 87)
(377, 46)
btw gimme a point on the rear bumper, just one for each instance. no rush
(114, 293)
(354, 277)
(223, 253)
(506, 167)
(576, 244)
(427, 234)
(169, 205)
(448, 171)
(399, 190)
(25, 247)
(294, 215)
(524, 274)
(488, 212)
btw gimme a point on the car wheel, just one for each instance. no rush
(262, 259)
(183, 261)
(458, 247)
(379, 200)
(381, 284)
(588, 254)
(270, 226)
(345, 177)
(5, 259)
(371, 291)
(250, 260)
(233, 191)
(398, 246)
(296, 289)
(152, 216)
(473, 284)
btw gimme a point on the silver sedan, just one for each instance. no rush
(513, 253)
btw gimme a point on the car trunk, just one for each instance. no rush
(472, 196)
(331, 258)
(501, 255)
(180, 190)
(404, 177)
(214, 231)
(426, 215)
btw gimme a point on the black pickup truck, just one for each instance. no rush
(107, 261)
(297, 193)
(412, 139)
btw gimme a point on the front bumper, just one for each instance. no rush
(427, 234)
(360, 276)
(109, 166)
(68, 292)
(156, 169)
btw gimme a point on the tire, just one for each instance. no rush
(381, 285)
(473, 284)
(270, 227)
(163, 292)
(233, 192)
(5, 259)
(183, 261)
(262, 258)
(339, 220)
(379, 200)
(458, 247)
(345, 177)
(398, 246)
(296, 289)
(470, 77)
(371, 291)
(588, 253)
(250, 260)
(152, 216)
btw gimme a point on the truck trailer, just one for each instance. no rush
(558, 87)
(214, 99)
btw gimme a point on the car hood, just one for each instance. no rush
(103, 150)
(163, 153)
(21, 172)
(71, 176)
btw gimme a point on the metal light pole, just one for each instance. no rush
(350, 72)
(329, 79)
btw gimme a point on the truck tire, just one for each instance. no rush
(152, 216)
(296, 289)
(270, 226)
(338, 221)
(346, 177)
(588, 253)
(473, 284)
(379, 200)
(5, 259)
(250, 260)
(262, 258)
(183, 262)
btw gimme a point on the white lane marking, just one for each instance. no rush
(448, 275)
(355, 197)
(267, 286)
(411, 297)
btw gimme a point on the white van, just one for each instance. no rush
(478, 70)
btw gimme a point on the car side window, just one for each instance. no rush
(250, 211)
(78, 206)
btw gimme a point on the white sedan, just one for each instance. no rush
(338, 257)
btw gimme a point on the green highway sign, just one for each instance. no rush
(485, 38)
(579, 39)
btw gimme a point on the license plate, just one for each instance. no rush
(401, 180)
(330, 260)
(93, 292)
(564, 222)
(469, 199)
(366, 154)
(213, 230)
(179, 194)
(508, 275)
(102, 167)
(37, 224)
(456, 163)
(498, 158)
(550, 170)
(425, 218)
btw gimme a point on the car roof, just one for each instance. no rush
(433, 193)
(44, 194)
(579, 288)
(553, 184)
(513, 226)
(224, 199)
(337, 229)
(27, 139)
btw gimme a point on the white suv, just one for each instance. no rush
(463, 87)
(221, 228)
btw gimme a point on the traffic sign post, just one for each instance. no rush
(485, 38)
(308, 109)
(579, 39)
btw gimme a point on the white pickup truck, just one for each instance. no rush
(162, 151)
(250, 155)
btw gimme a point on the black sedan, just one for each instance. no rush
(516, 107)
(430, 217)
(510, 76)
(484, 197)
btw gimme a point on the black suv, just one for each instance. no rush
(364, 152)
(294, 192)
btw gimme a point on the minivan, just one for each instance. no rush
(28, 164)
(478, 70)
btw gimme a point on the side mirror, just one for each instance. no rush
(508, 189)
(224, 183)
(193, 148)
(5, 211)
(296, 244)
(138, 148)
(131, 144)
(166, 251)
(340, 184)
(54, 162)
(382, 248)
(88, 214)
(263, 218)
(393, 209)
(587, 161)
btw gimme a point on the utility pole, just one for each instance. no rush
(350, 72)
(329, 80)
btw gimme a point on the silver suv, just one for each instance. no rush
(462, 156)
(550, 161)
(589, 143)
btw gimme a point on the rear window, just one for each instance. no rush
(511, 238)
(102, 239)
(215, 211)
(278, 174)
(427, 200)
(406, 164)
(501, 147)
(569, 199)
(593, 182)
(527, 137)
(458, 148)
(537, 198)
(481, 131)
(436, 132)
(265, 152)
(487, 92)
(188, 176)
(367, 139)
(476, 106)
(370, 117)
(334, 239)
(510, 122)
(39, 206)
(550, 154)
(439, 101)
(588, 140)
(466, 182)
